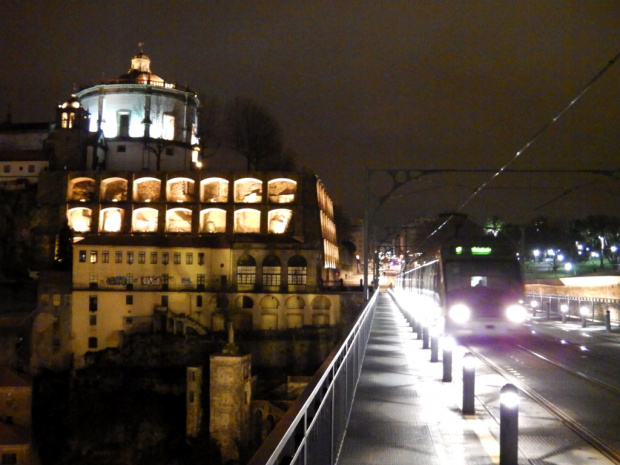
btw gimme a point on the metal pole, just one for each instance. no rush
(448, 346)
(434, 346)
(608, 321)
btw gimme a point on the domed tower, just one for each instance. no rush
(148, 123)
(69, 138)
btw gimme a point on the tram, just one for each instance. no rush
(469, 287)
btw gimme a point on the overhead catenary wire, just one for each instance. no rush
(529, 143)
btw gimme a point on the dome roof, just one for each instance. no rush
(73, 102)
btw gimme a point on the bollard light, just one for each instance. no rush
(425, 335)
(509, 425)
(584, 312)
(434, 334)
(564, 311)
(448, 347)
(469, 383)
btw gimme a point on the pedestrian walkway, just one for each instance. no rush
(404, 414)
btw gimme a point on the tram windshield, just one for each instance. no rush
(496, 275)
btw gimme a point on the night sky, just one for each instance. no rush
(378, 85)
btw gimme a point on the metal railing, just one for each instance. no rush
(550, 306)
(312, 430)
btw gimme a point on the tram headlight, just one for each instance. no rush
(459, 313)
(516, 313)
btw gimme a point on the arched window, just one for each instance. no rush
(81, 189)
(297, 270)
(144, 220)
(79, 219)
(113, 190)
(179, 220)
(248, 190)
(214, 190)
(282, 190)
(271, 271)
(279, 220)
(146, 189)
(111, 219)
(247, 220)
(180, 190)
(213, 220)
(246, 270)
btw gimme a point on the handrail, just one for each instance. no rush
(312, 430)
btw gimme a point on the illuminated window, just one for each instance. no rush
(180, 190)
(297, 270)
(113, 190)
(279, 220)
(123, 124)
(144, 220)
(179, 220)
(246, 270)
(213, 220)
(177, 258)
(67, 120)
(81, 189)
(168, 129)
(247, 220)
(130, 257)
(214, 190)
(153, 258)
(141, 257)
(93, 256)
(248, 190)
(146, 189)
(271, 271)
(79, 219)
(111, 219)
(282, 190)
(82, 256)
(201, 279)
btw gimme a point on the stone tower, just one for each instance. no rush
(230, 395)
(194, 401)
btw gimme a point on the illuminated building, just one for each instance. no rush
(161, 244)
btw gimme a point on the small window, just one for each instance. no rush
(93, 320)
(92, 303)
(121, 148)
(130, 257)
(141, 257)
(189, 258)
(164, 300)
(93, 256)
(118, 257)
(153, 258)
(105, 256)
(31, 168)
(201, 258)
(198, 301)
(129, 321)
(6, 169)
(165, 258)
(82, 258)
(169, 151)
(128, 300)
(92, 342)
(177, 258)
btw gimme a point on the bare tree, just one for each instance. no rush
(253, 132)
